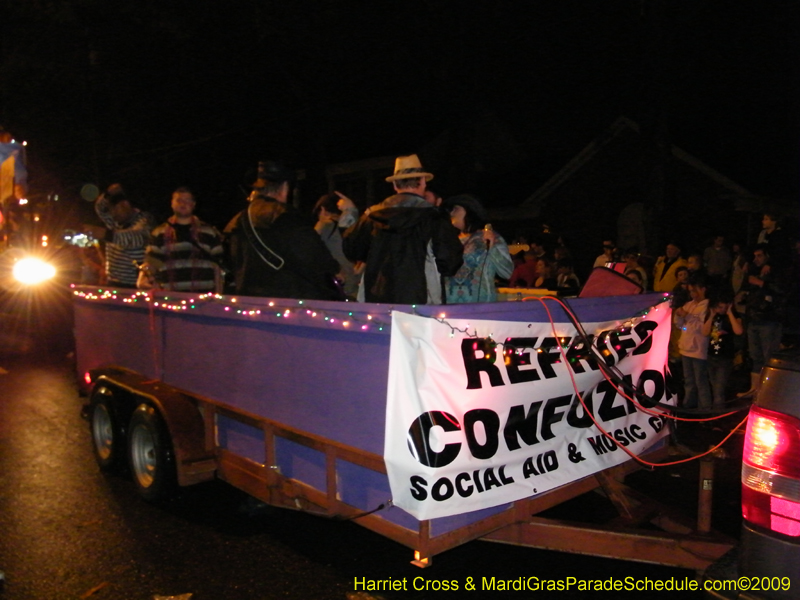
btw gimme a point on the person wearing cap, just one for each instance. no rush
(126, 235)
(607, 256)
(184, 252)
(631, 258)
(335, 212)
(407, 244)
(274, 250)
(486, 254)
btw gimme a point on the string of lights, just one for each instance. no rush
(345, 317)
(564, 342)
(299, 311)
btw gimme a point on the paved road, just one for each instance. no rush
(66, 529)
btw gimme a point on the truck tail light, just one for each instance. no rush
(771, 472)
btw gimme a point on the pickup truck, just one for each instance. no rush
(767, 561)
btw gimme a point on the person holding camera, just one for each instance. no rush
(126, 235)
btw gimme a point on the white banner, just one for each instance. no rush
(470, 425)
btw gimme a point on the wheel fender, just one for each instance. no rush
(151, 454)
(180, 413)
(186, 429)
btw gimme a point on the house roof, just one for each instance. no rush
(610, 163)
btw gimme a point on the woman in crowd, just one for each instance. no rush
(722, 325)
(545, 275)
(693, 345)
(486, 254)
(738, 275)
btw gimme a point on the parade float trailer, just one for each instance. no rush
(430, 425)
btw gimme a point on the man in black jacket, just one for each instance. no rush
(274, 250)
(766, 310)
(407, 244)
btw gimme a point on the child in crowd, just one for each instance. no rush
(680, 296)
(632, 266)
(721, 326)
(693, 345)
(680, 293)
(566, 281)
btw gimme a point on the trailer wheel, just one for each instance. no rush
(108, 439)
(150, 454)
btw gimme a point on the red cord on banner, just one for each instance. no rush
(591, 416)
(621, 391)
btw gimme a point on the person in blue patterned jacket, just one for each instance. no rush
(486, 254)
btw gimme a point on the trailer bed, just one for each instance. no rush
(286, 400)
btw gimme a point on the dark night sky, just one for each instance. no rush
(157, 94)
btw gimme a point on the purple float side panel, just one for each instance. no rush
(303, 372)
(112, 334)
(326, 382)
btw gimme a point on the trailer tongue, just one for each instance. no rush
(430, 425)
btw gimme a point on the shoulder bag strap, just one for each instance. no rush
(269, 256)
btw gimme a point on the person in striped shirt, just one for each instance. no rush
(184, 252)
(127, 232)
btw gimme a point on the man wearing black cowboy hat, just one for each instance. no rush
(274, 250)
(396, 238)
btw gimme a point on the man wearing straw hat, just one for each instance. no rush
(396, 238)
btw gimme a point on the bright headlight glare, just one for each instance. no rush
(31, 271)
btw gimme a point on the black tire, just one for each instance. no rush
(108, 439)
(150, 455)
